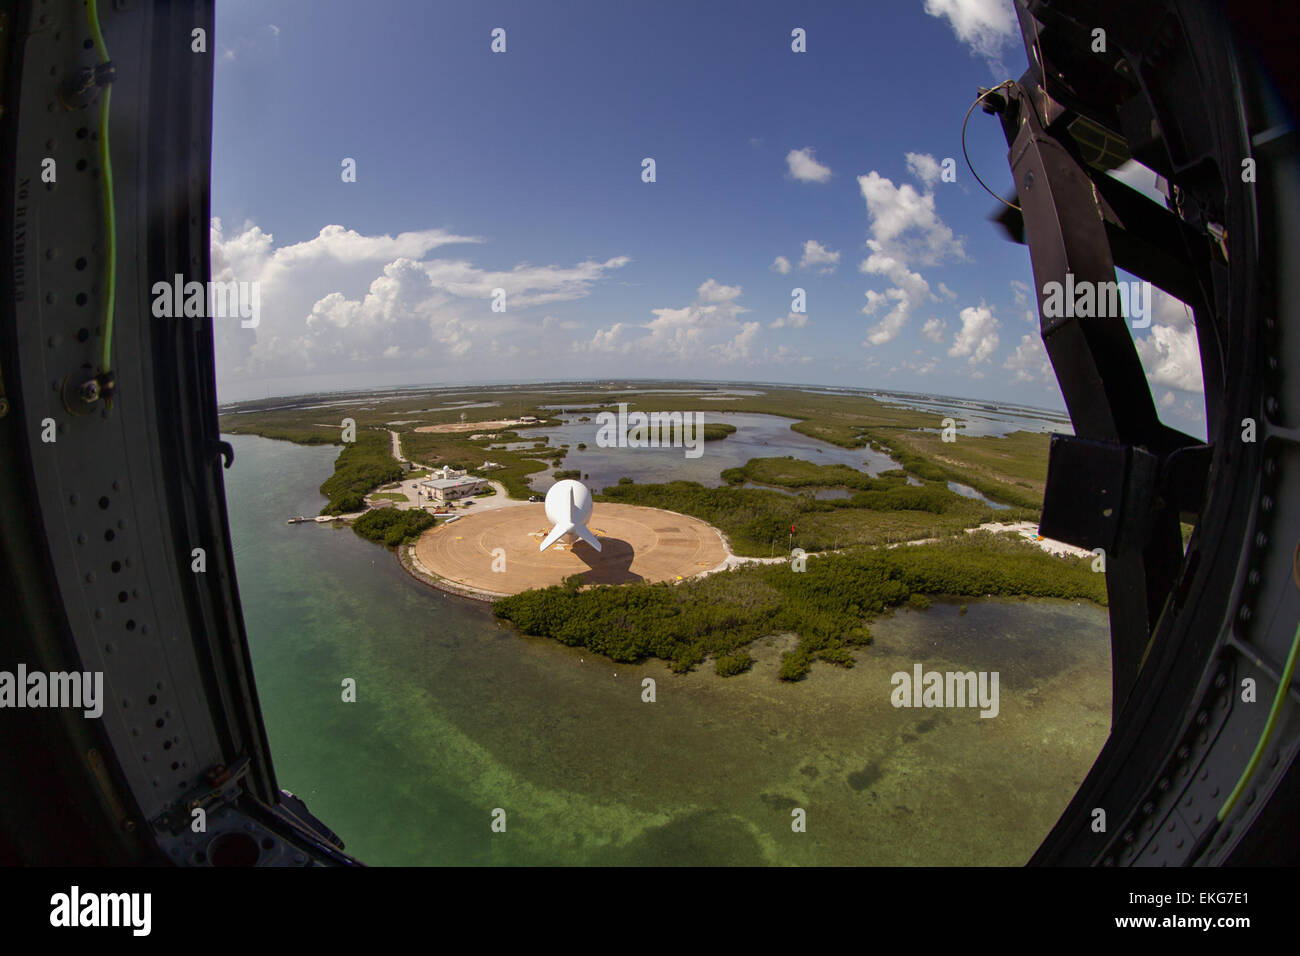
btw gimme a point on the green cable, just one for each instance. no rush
(1283, 686)
(110, 212)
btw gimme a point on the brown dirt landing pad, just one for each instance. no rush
(638, 544)
(448, 427)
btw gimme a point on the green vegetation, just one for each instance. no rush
(757, 521)
(729, 665)
(1008, 470)
(387, 496)
(362, 465)
(795, 665)
(568, 473)
(789, 472)
(828, 606)
(1011, 469)
(392, 527)
(660, 432)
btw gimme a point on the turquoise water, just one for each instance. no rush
(457, 716)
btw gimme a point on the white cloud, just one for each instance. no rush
(986, 26)
(781, 264)
(815, 255)
(1169, 351)
(945, 291)
(909, 292)
(709, 329)
(737, 348)
(784, 355)
(978, 337)
(905, 224)
(613, 339)
(1029, 361)
(805, 168)
(791, 320)
(904, 228)
(921, 368)
(1021, 291)
(712, 291)
(934, 330)
(1168, 310)
(924, 167)
(551, 323)
(344, 302)
(874, 301)
(1171, 357)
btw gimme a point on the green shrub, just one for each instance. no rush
(728, 665)
(392, 527)
(794, 666)
(361, 466)
(345, 504)
(828, 606)
(839, 656)
(686, 659)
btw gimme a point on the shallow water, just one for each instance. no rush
(756, 436)
(457, 716)
(966, 491)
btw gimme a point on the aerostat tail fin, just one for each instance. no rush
(581, 531)
(558, 532)
(577, 530)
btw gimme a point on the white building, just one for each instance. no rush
(451, 488)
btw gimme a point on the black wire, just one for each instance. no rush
(966, 156)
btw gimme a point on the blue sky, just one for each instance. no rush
(522, 171)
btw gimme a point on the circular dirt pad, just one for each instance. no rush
(637, 544)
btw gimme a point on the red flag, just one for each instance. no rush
(792, 529)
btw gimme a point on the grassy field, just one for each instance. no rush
(1010, 470)
(758, 522)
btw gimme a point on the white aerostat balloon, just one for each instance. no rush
(568, 507)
